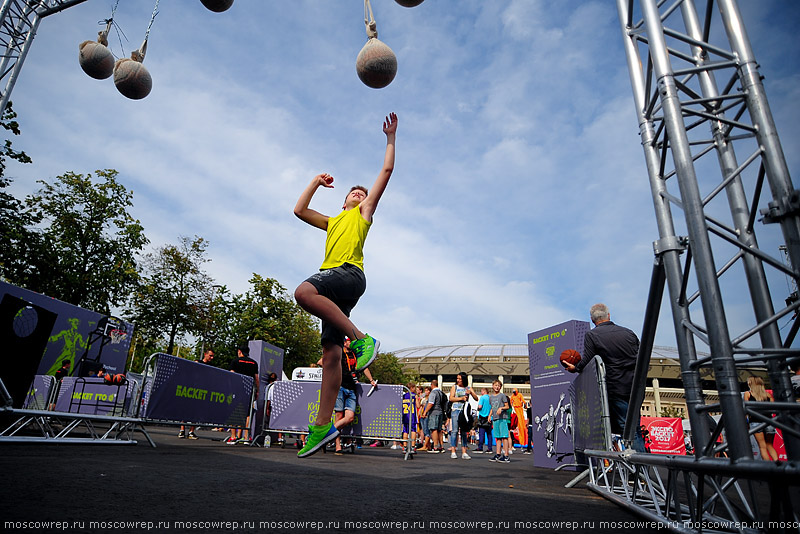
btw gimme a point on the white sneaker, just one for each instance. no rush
(453, 455)
(395, 447)
(465, 456)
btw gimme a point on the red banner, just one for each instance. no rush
(665, 435)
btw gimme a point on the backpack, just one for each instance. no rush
(466, 420)
(444, 403)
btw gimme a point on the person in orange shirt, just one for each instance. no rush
(518, 405)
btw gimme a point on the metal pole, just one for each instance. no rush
(699, 242)
(740, 213)
(670, 246)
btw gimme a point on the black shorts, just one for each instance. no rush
(343, 285)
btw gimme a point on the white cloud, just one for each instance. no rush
(520, 194)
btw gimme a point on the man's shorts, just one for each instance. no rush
(343, 285)
(405, 423)
(500, 428)
(423, 423)
(345, 400)
(435, 422)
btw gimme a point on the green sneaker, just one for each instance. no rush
(365, 349)
(318, 437)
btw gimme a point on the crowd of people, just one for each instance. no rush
(439, 421)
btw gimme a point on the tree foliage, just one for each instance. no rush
(8, 122)
(387, 369)
(267, 312)
(13, 220)
(173, 291)
(83, 243)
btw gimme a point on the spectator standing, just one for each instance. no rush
(434, 414)
(500, 418)
(423, 420)
(618, 347)
(765, 437)
(484, 422)
(63, 370)
(344, 410)
(518, 407)
(247, 366)
(459, 396)
(410, 407)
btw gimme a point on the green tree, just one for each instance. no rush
(167, 303)
(84, 244)
(13, 219)
(387, 369)
(670, 411)
(267, 312)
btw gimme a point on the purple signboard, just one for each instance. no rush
(69, 337)
(270, 360)
(183, 390)
(550, 382)
(93, 396)
(379, 415)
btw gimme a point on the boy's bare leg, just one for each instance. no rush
(331, 380)
(311, 301)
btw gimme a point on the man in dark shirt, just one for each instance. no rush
(244, 365)
(63, 370)
(618, 347)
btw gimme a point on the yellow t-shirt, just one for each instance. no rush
(345, 241)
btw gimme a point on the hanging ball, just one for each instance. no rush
(409, 3)
(96, 60)
(132, 79)
(376, 64)
(217, 6)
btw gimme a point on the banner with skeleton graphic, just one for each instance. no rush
(550, 382)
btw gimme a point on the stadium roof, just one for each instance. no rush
(498, 349)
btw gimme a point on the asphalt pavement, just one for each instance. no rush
(205, 485)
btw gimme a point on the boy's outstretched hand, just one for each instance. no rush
(390, 124)
(325, 180)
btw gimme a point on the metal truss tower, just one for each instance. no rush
(710, 149)
(19, 21)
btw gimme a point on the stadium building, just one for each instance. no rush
(510, 362)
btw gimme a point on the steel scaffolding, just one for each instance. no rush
(19, 21)
(675, 55)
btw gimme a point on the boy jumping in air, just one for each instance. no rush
(332, 293)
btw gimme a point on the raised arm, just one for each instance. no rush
(301, 209)
(370, 204)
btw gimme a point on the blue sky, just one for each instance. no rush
(520, 194)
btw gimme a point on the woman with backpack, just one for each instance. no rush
(459, 397)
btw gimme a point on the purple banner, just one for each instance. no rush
(270, 360)
(39, 394)
(550, 382)
(93, 396)
(380, 415)
(192, 392)
(591, 425)
(70, 334)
